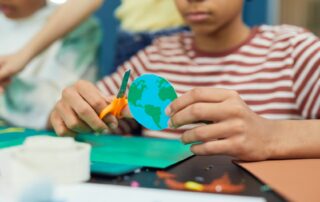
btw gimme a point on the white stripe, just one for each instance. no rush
(102, 88)
(259, 86)
(258, 52)
(262, 97)
(281, 116)
(269, 35)
(117, 78)
(172, 52)
(174, 59)
(273, 106)
(169, 45)
(151, 49)
(111, 85)
(231, 58)
(261, 42)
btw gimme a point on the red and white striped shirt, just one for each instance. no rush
(276, 71)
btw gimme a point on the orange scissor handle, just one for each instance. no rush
(114, 108)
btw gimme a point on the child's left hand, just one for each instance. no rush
(235, 130)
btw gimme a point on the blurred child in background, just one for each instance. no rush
(29, 93)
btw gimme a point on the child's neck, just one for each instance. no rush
(225, 39)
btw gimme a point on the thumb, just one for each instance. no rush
(4, 72)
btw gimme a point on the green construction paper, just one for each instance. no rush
(113, 155)
(11, 136)
(137, 151)
(149, 95)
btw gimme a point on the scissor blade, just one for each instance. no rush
(124, 83)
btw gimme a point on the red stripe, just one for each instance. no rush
(134, 66)
(107, 87)
(256, 55)
(297, 58)
(266, 91)
(313, 104)
(240, 52)
(278, 112)
(114, 82)
(295, 46)
(314, 69)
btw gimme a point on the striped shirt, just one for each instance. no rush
(276, 71)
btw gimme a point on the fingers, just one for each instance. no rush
(92, 95)
(199, 112)
(6, 72)
(213, 148)
(58, 125)
(208, 133)
(2, 61)
(126, 112)
(3, 84)
(83, 110)
(212, 95)
(96, 100)
(70, 119)
(111, 121)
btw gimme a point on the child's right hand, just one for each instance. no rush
(77, 111)
(3, 84)
(10, 65)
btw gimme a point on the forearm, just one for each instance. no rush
(65, 18)
(295, 139)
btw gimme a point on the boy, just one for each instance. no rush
(272, 73)
(31, 94)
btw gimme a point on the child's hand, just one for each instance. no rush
(235, 130)
(10, 65)
(3, 84)
(77, 111)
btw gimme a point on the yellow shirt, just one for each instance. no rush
(148, 15)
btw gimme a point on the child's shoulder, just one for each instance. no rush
(282, 29)
(282, 33)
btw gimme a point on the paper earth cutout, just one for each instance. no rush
(149, 95)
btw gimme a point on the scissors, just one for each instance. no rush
(120, 102)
